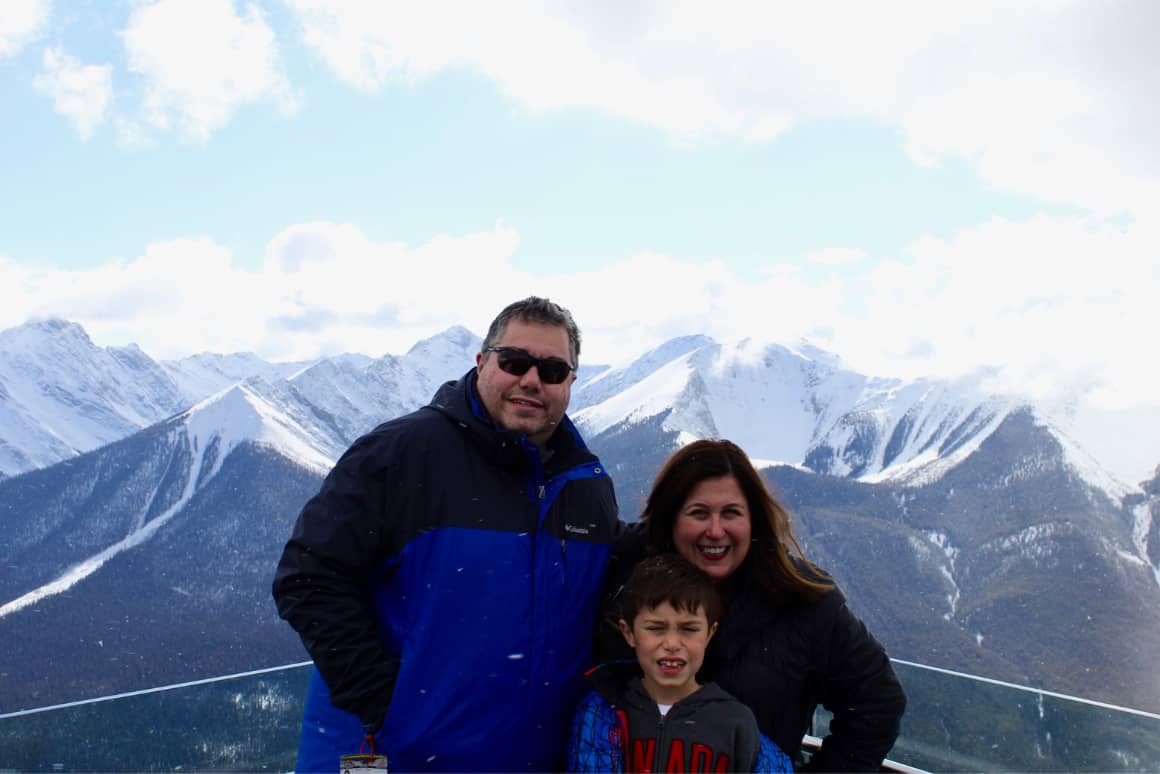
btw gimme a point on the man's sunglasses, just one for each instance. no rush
(516, 361)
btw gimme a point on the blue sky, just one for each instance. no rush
(452, 154)
(922, 190)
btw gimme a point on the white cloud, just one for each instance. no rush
(1054, 98)
(201, 61)
(330, 281)
(20, 22)
(181, 296)
(323, 288)
(645, 300)
(81, 93)
(837, 256)
(1062, 307)
(543, 58)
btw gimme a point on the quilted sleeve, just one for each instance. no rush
(595, 744)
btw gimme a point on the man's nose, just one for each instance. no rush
(531, 378)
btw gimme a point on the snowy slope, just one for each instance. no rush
(910, 432)
(445, 356)
(259, 412)
(794, 404)
(196, 444)
(61, 395)
(799, 405)
(204, 374)
(309, 420)
(948, 502)
(613, 381)
(353, 398)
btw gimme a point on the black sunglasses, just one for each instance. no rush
(516, 361)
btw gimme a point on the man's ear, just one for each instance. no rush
(626, 630)
(712, 631)
(478, 359)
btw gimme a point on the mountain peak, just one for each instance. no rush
(455, 338)
(811, 351)
(34, 333)
(52, 325)
(259, 412)
(452, 351)
(64, 395)
(1152, 486)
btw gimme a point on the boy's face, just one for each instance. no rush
(670, 647)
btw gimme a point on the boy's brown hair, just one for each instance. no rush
(669, 578)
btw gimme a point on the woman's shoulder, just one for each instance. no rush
(780, 590)
(813, 572)
(831, 598)
(629, 548)
(755, 607)
(632, 538)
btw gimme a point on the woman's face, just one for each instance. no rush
(713, 527)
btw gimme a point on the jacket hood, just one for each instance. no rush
(620, 684)
(459, 401)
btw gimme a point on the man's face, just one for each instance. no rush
(525, 404)
(670, 647)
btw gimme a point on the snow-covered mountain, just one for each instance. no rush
(799, 406)
(954, 520)
(157, 552)
(309, 420)
(353, 398)
(165, 537)
(136, 486)
(61, 395)
(201, 375)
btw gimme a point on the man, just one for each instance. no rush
(446, 578)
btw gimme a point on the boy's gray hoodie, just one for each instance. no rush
(708, 730)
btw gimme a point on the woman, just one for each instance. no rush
(787, 642)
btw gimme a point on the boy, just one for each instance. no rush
(652, 715)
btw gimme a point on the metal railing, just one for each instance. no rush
(250, 721)
(957, 721)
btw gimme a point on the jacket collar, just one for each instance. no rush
(619, 683)
(459, 401)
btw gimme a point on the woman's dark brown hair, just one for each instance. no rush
(770, 561)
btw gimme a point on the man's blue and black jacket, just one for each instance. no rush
(445, 581)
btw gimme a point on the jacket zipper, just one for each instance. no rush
(662, 753)
(563, 540)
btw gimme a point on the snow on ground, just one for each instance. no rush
(1141, 527)
(63, 395)
(943, 541)
(82, 570)
(925, 466)
(648, 397)
(250, 412)
(242, 413)
(760, 399)
(1087, 468)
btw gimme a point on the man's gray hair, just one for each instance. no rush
(534, 309)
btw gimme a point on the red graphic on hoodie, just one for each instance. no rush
(699, 759)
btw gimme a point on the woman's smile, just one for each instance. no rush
(713, 528)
